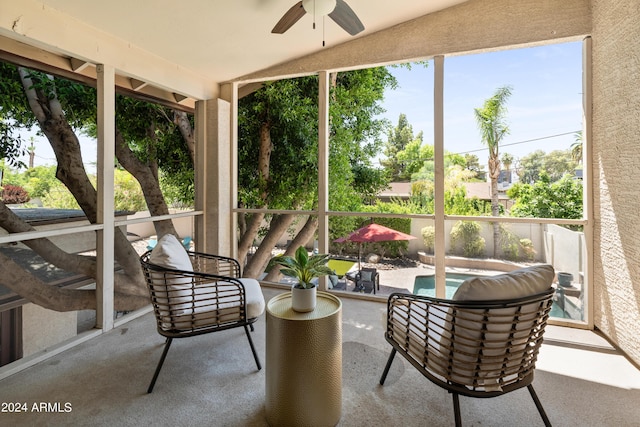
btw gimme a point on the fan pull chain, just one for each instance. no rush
(322, 30)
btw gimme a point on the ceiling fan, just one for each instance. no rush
(338, 10)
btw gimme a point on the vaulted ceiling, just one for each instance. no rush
(193, 45)
(223, 39)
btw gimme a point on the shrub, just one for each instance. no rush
(510, 244)
(466, 239)
(429, 238)
(529, 253)
(514, 248)
(14, 194)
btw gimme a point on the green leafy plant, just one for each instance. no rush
(466, 239)
(528, 249)
(302, 267)
(429, 238)
(510, 244)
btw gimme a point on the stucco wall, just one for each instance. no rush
(616, 146)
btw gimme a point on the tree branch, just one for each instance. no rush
(148, 182)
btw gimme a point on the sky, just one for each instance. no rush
(546, 98)
(546, 101)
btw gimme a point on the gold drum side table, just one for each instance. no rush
(304, 363)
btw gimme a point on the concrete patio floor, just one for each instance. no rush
(211, 380)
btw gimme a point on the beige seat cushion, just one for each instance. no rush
(210, 308)
(198, 305)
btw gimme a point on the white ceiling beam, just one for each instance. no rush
(39, 25)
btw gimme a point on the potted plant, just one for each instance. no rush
(304, 269)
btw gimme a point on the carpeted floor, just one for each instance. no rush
(212, 381)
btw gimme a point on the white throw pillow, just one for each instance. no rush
(169, 253)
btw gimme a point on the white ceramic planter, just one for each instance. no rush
(303, 300)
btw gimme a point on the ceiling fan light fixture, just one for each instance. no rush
(319, 7)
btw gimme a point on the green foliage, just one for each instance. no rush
(37, 181)
(403, 151)
(527, 249)
(472, 164)
(455, 193)
(555, 165)
(466, 239)
(148, 129)
(14, 194)
(491, 120)
(128, 194)
(288, 110)
(10, 144)
(544, 199)
(59, 197)
(513, 247)
(509, 243)
(302, 267)
(429, 238)
(41, 182)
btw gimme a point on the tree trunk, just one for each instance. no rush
(130, 290)
(277, 227)
(70, 171)
(264, 159)
(148, 179)
(246, 240)
(53, 298)
(494, 174)
(181, 120)
(302, 238)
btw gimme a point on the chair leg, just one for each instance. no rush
(386, 368)
(160, 363)
(456, 409)
(543, 414)
(253, 349)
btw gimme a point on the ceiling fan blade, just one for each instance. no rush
(345, 17)
(292, 16)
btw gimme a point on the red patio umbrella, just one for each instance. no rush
(373, 233)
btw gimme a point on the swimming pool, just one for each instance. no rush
(426, 285)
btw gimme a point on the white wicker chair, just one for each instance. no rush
(475, 348)
(210, 298)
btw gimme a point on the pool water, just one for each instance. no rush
(426, 285)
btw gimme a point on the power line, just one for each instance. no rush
(519, 142)
(504, 145)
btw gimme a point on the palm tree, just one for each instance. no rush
(507, 160)
(492, 125)
(576, 148)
